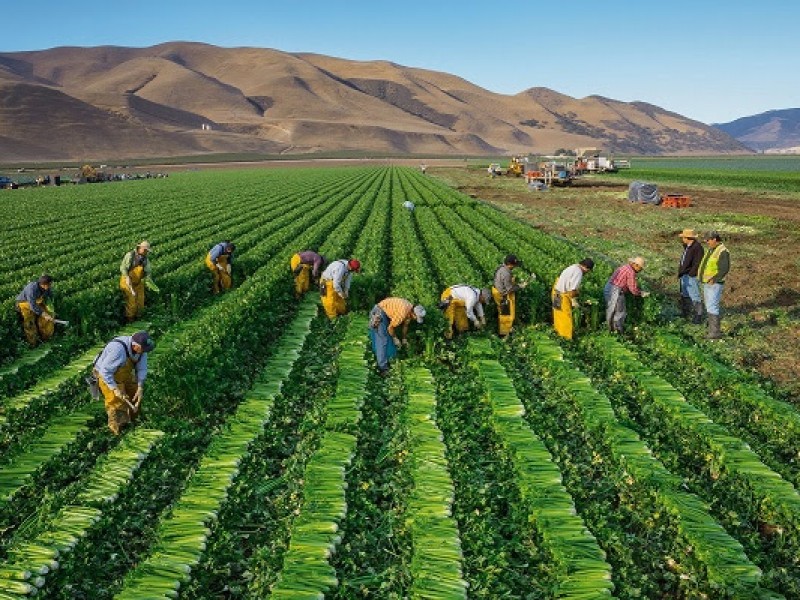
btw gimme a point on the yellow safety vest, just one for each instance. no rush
(710, 265)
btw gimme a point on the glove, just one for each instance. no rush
(151, 286)
(574, 302)
(118, 393)
(405, 342)
(48, 317)
(396, 341)
(228, 268)
(137, 397)
(645, 294)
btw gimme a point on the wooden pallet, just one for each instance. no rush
(676, 201)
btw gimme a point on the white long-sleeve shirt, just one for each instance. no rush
(340, 275)
(570, 279)
(470, 296)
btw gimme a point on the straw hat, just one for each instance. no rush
(637, 261)
(688, 233)
(144, 245)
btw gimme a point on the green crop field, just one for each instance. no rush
(272, 461)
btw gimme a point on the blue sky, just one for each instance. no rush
(713, 61)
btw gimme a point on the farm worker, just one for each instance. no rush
(424, 168)
(306, 267)
(712, 272)
(691, 303)
(463, 304)
(622, 280)
(219, 261)
(565, 296)
(135, 269)
(335, 286)
(504, 293)
(38, 318)
(384, 319)
(408, 205)
(121, 370)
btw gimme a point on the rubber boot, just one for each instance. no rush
(686, 307)
(714, 332)
(697, 317)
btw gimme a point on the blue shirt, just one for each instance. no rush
(31, 293)
(218, 251)
(114, 356)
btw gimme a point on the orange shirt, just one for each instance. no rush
(399, 311)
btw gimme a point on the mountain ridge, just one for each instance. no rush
(187, 98)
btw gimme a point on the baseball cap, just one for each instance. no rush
(143, 339)
(419, 312)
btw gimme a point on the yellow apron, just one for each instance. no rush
(134, 305)
(455, 313)
(562, 317)
(333, 303)
(35, 327)
(118, 411)
(302, 281)
(505, 312)
(221, 279)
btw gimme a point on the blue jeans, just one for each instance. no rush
(712, 292)
(690, 287)
(382, 343)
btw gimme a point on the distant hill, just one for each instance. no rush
(772, 131)
(185, 98)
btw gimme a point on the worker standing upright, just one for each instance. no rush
(463, 304)
(384, 319)
(135, 270)
(335, 285)
(564, 296)
(504, 293)
(712, 272)
(38, 318)
(621, 281)
(121, 370)
(219, 261)
(692, 256)
(306, 267)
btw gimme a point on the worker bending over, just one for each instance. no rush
(334, 286)
(621, 281)
(504, 293)
(121, 370)
(384, 319)
(565, 296)
(306, 267)
(38, 318)
(135, 270)
(463, 304)
(219, 261)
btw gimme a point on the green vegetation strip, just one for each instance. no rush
(307, 571)
(182, 536)
(73, 522)
(436, 564)
(715, 552)
(584, 572)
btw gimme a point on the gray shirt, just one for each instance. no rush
(504, 280)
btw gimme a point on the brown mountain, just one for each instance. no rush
(187, 98)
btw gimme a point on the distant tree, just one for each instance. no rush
(565, 152)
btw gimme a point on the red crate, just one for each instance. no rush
(676, 201)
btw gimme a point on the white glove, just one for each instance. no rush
(118, 393)
(645, 294)
(574, 302)
(228, 268)
(479, 324)
(220, 267)
(405, 342)
(397, 341)
(137, 397)
(48, 317)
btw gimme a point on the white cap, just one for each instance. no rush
(143, 244)
(419, 312)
